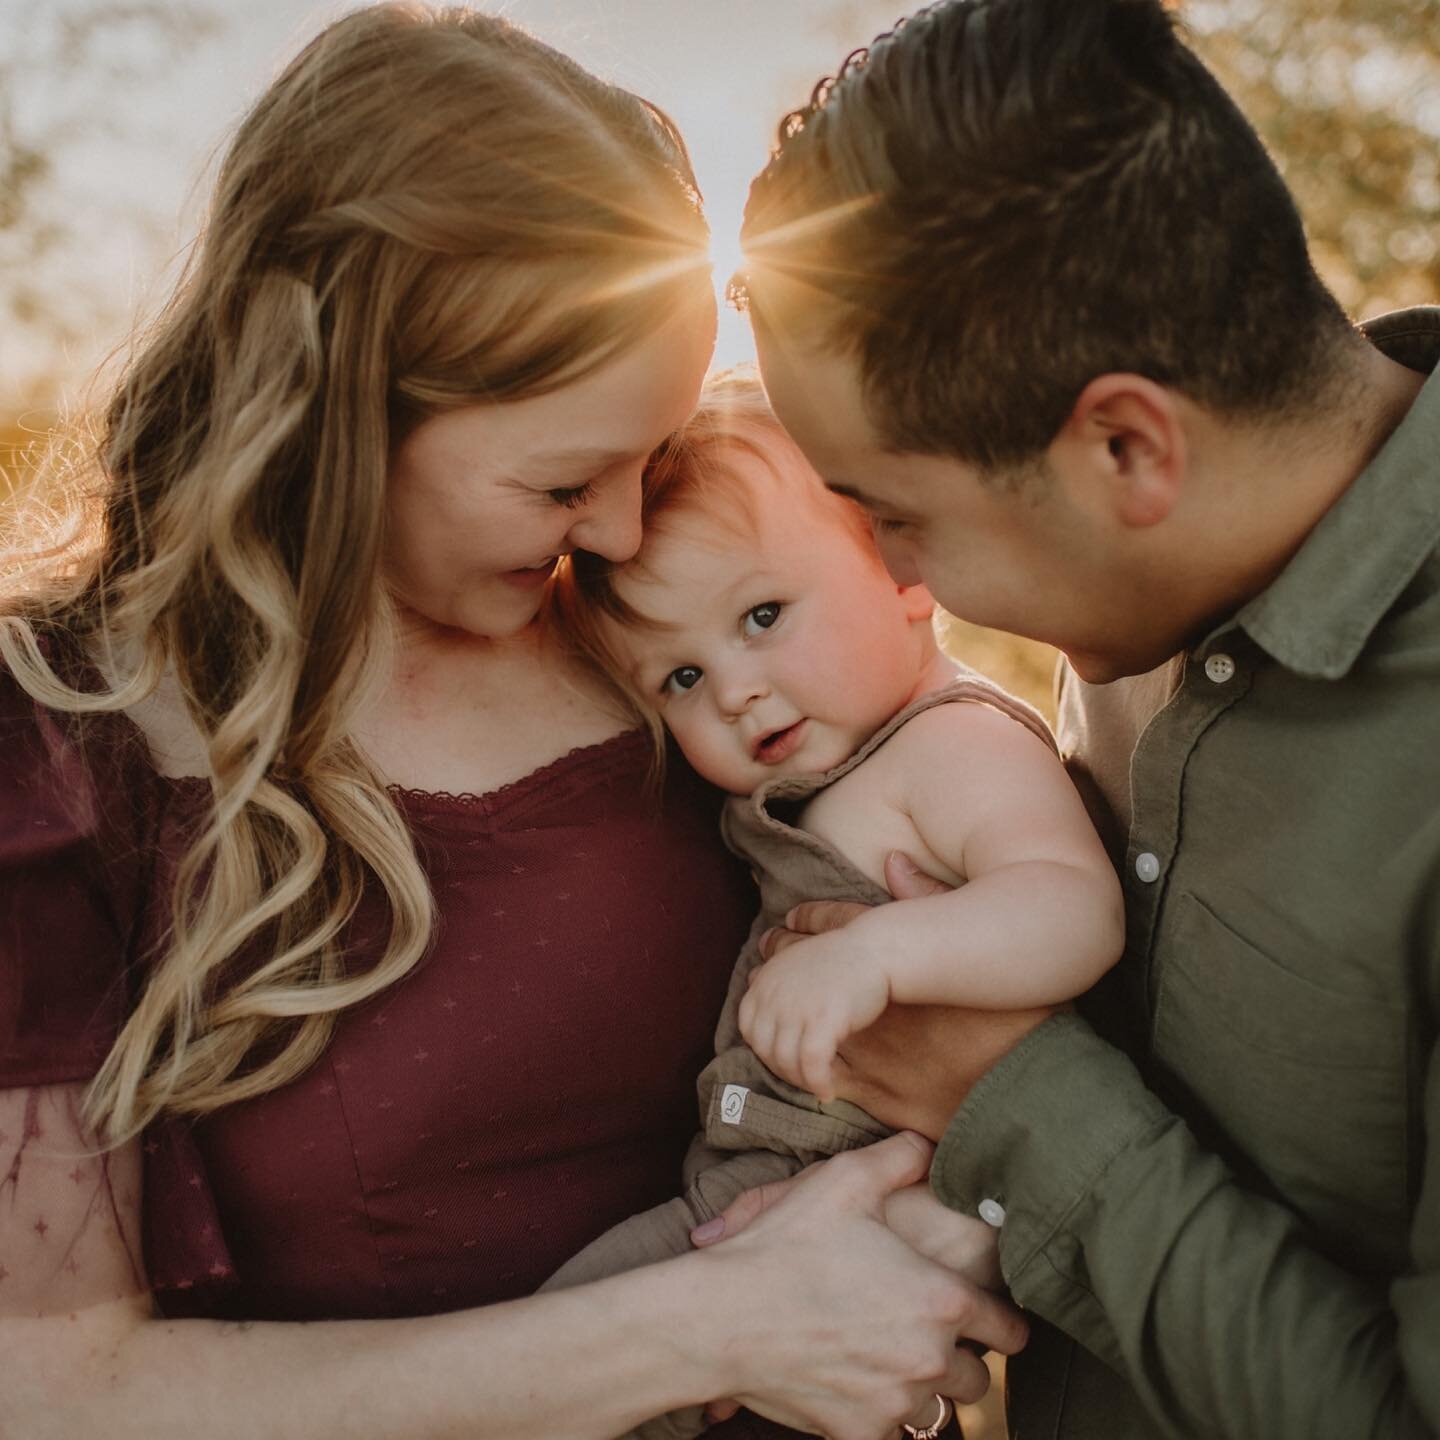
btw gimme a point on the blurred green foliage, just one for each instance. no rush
(1346, 94)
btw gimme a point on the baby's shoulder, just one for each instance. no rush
(964, 734)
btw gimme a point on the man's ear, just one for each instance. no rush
(1126, 443)
(919, 603)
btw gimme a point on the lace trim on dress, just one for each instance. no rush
(471, 799)
(581, 767)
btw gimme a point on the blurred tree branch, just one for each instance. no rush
(1347, 96)
(64, 73)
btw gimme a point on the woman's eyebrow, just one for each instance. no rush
(583, 455)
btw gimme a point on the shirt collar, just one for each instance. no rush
(1318, 613)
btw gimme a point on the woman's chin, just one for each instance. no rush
(502, 616)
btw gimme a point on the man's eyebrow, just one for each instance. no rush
(852, 492)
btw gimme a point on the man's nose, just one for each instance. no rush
(609, 525)
(899, 557)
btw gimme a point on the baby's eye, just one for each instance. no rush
(575, 495)
(885, 527)
(683, 677)
(762, 617)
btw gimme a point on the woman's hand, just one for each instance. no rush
(960, 1243)
(850, 1331)
(913, 1068)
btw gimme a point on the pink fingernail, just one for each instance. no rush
(710, 1230)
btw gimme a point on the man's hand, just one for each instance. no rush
(903, 878)
(914, 1067)
(960, 1243)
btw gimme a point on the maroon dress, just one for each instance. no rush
(529, 1084)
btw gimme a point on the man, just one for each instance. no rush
(1025, 284)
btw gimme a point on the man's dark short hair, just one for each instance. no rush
(1001, 199)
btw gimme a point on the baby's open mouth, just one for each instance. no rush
(778, 745)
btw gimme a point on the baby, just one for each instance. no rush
(759, 625)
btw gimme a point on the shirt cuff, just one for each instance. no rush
(1037, 1133)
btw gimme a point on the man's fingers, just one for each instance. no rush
(993, 1322)
(870, 1174)
(772, 942)
(958, 1242)
(905, 880)
(815, 917)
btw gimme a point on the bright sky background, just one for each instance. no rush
(127, 200)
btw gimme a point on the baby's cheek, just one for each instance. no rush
(718, 759)
(693, 743)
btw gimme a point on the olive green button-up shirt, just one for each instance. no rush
(1232, 1201)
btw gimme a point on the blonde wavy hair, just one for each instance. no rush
(428, 209)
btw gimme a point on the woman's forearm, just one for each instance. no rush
(817, 1316)
(585, 1364)
(82, 1354)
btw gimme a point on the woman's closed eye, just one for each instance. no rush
(681, 679)
(761, 617)
(575, 496)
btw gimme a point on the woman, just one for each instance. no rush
(338, 927)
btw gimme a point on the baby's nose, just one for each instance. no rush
(737, 694)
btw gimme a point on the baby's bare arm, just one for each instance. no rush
(1037, 919)
(1040, 917)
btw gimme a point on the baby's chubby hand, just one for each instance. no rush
(805, 1002)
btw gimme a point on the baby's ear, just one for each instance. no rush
(919, 603)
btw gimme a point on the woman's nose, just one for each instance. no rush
(610, 523)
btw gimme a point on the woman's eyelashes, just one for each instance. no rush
(575, 496)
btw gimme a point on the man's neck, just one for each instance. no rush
(1270, 486)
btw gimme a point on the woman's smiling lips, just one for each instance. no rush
(778, 745)
(532, 578)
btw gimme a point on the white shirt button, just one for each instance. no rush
(1220, 668)
(992, 1212)
(1147, 867)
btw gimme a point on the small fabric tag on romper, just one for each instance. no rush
(732, 1103)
